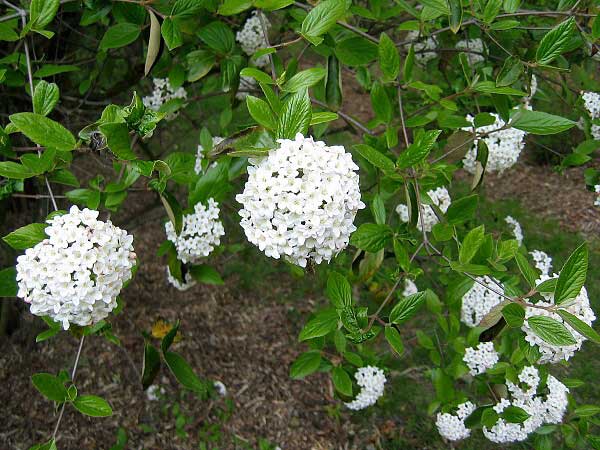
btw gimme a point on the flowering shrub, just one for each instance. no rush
(453, 90)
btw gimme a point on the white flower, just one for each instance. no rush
(201, 232)
(543, 262)
(216, 140)
(479, 300)
(76, 274)
(162, 93)
(481, 358)
(516, 228)
(154, 392)
(221, 388)
(504, 147)
(421, 47)
(439, 197)
(474, 45)
(300, 201)
(372, 380)
(548, 409)
(452, 426)
(410, 288)
(597, 190)
(579, 307)
(591, 101)
(252, 38)
(188, 281)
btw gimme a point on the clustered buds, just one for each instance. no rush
(371, 380)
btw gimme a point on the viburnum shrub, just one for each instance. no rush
(116, 86)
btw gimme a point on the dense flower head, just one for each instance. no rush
(200, 154)
(452, 426)
(543, 262)
(479, 300)
(162, 93)
(591, 101)
(421, 46)
(516, 228)
(75, 275)
(543, 409)
(504, 146)
(439, 197)
(474, 45)
(200, 234)
(372, 380)
(251, 38)
(481, 358)
(300, 201)
(188, 281)
(579, 307)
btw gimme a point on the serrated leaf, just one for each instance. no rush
(305, 364)
(471, 243)
(339, 290)
(393, 338)
(514, 314)
(93, 406)
(572, 276)
(27, 236)
(295, 116)
(261, 112)
(538, 122)
(50, 386)
(406, 308)
(341, 381)
(119, 35)
(321, 19)
(389, 58)
(551, 331)
(322, 324)
(43, 131)
(375, 157)
(45, 97)
(579, 325)
(555, 42)
(371, 237)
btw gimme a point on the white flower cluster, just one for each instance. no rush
(479, 300)
(252, 38)
(597, 190)
(201, 232)
(452, 426)
(548, 410)
(410, 288)
(516, 228)
(579, 307)
(421, 47)
(372, 380)
(504, 147)
(440, 197)
(300, 201)
(76, 274)
(543, 262)
(154, 392)
(481, 358)
(162, 93)
(591, 101)
(247, 85)
(474, 45)
(188, 281)
(200, 154)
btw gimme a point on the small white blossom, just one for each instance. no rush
(481, 358)
(76, 274)
(516, 228)
(479, 300)
(372, 380)
(200, 234)
(188, 281)
(452, 426)
(421, 46)
(591, 101)
(410, 288)
(543, 262)
(162, 93)
(439, 197)
(154, 392)
(300, 201)
(200, 154)
(597, 190)
(252, 38)
(504, 147)
(221, 388)
(474, 45)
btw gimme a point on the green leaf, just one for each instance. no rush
(489, 87)
(43, 131)
(322, 117)
(321, 325)
(381, 103)
(455, 16)
(50, 386)
(305, 364)
(200, 62)
(530, 274)
(341, 381)
(151, 365)
(218, 37)
(48, 70)
(206, 274)
(87, 197)
(15, 170)
(261, 112)
(184, 372)
(471, 244)
(233, 7)
(339, 290)
(321, 19)
(120, 35)
(117, 140)
(514, 314)
(27, 236)
(257, 74)
(551, 330)
(511, 71)
(418, 150)
(173, 209)
(462, 209)
(572, 276)
(64, 176)
(406, 308)
(555, 42)
(153, 43)
(538, 122)
(580, 326)
(295, 116)
(409, 64)
(375, 157)
(8, 33)
(371, 237)
(378, 210)
(514, 414)
(167, 341)
(8, 282)
(41, 12)
(587, 410)
(93, 406)
(170, 33)
(389, 58)
(305, 79)
(393, 338)
(45, 97)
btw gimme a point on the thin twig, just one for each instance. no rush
(349, 119)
